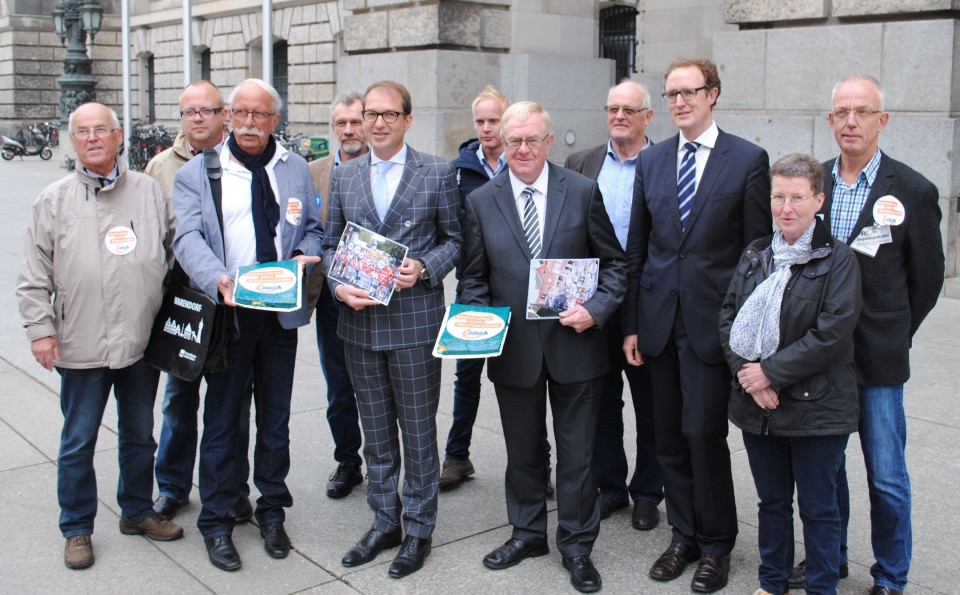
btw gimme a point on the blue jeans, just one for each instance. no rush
(810, 462)
(83, 398)
(262, 346)
(883, 438)
(177, 453)
(342, 413)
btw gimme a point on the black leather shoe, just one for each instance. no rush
(583, 575)
(513, 552)
(167, 507)
(275, 540)
(411, 556)
(878, 590)
(242, 511)
(672, 562)
(645, 515)
(371, 544)
(798, 576)
(711, 574)
(343, 480)
(223, 554)
(608, 506)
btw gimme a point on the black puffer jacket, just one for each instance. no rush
(812, 369)
(470, 172)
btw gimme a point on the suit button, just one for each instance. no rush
(683, 255)
(407, 223)
(806, 394)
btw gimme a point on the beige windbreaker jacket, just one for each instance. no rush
(93, 265)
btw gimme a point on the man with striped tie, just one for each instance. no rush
(698, 199)
(534, 210)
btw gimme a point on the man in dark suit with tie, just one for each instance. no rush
(535, 210)
(890, 215)
(699, 199)
(613, 164)
(411, 198)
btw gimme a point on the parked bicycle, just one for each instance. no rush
(147, 141)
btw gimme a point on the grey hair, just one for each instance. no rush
(113, 117)
(522, 110)
(798, 165)
(344, 99)
(861, 77)
(277, 101)
(645, 104)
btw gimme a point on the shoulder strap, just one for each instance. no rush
(211, 159)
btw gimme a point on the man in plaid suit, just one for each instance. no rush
(412, 199)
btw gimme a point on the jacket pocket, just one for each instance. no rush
(810, 389)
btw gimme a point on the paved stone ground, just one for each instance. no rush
(472, 518)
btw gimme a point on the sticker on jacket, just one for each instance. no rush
(120, 240)
(294, 211)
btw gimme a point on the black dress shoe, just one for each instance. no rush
(672, 562)
(242, 511)
(798, 576)
(411, 556)
(711, 574)
(645, 515)
(223, 554)
(583, 575)
(513, 552)
(167, 507)
(608, 506)
(878, 590)
(371, 544)
(343, 480)
(275, 540)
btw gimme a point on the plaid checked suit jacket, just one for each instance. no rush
(423, 217)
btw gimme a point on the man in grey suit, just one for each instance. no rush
(411, 198)
(531, 211)
(613, 164)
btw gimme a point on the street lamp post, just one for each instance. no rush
(73, 20)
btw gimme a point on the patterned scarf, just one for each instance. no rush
(263, 203)
(755, 334)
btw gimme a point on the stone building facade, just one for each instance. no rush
(778, 61)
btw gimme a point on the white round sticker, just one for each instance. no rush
(888, 211)
(475, 326)
(271, 279)
(120, 240)
(294, 211)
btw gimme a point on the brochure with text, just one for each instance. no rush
(367, 260)
(560, 284)
(471, 332)
(273, 286)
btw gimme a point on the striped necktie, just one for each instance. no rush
(531, 222)
(687, 181)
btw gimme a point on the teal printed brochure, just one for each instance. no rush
(273, 286)
(470, 332)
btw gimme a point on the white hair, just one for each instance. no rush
(277, 101)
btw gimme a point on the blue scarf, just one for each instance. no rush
(263, 202)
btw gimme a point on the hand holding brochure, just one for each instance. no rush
(470, 332)
(273, 286)
(560, 284)
(367, 260)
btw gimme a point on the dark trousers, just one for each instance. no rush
(690, 413)
(609, 456)
(342, 413)
(523, 415)
(811, 463)
(270, 351)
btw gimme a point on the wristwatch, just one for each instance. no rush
(424, 273)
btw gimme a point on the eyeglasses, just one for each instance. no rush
(796, 201)
(858, 114)
(629, 112)
(205, 113)
(532, 143)
(241, 114)
(687, 94)
(389, 117)
(99, 132)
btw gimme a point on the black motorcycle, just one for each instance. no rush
(13, 147)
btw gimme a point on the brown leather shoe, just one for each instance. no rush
(455, 471)
(154, 526)
(711, 574)
(672, 562)
(878, 590)
(78, 552)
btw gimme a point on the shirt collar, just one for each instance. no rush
(540, 184)
(193, 150)
(228, 164)
(707, 139)
(400, 157)
(868, 173)
(501, 161)
(613, 154)
(109, 177)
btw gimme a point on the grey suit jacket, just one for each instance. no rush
(902, 282)
(497, 270)
(423, 217)
(198, 244)
(588, 162)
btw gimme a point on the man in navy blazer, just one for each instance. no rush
(269, 213)
(569, 355)
(682, 254)
(901, 275)
(388, 349)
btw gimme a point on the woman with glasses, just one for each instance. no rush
(787, 328)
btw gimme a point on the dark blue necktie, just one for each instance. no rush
(687, 181)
